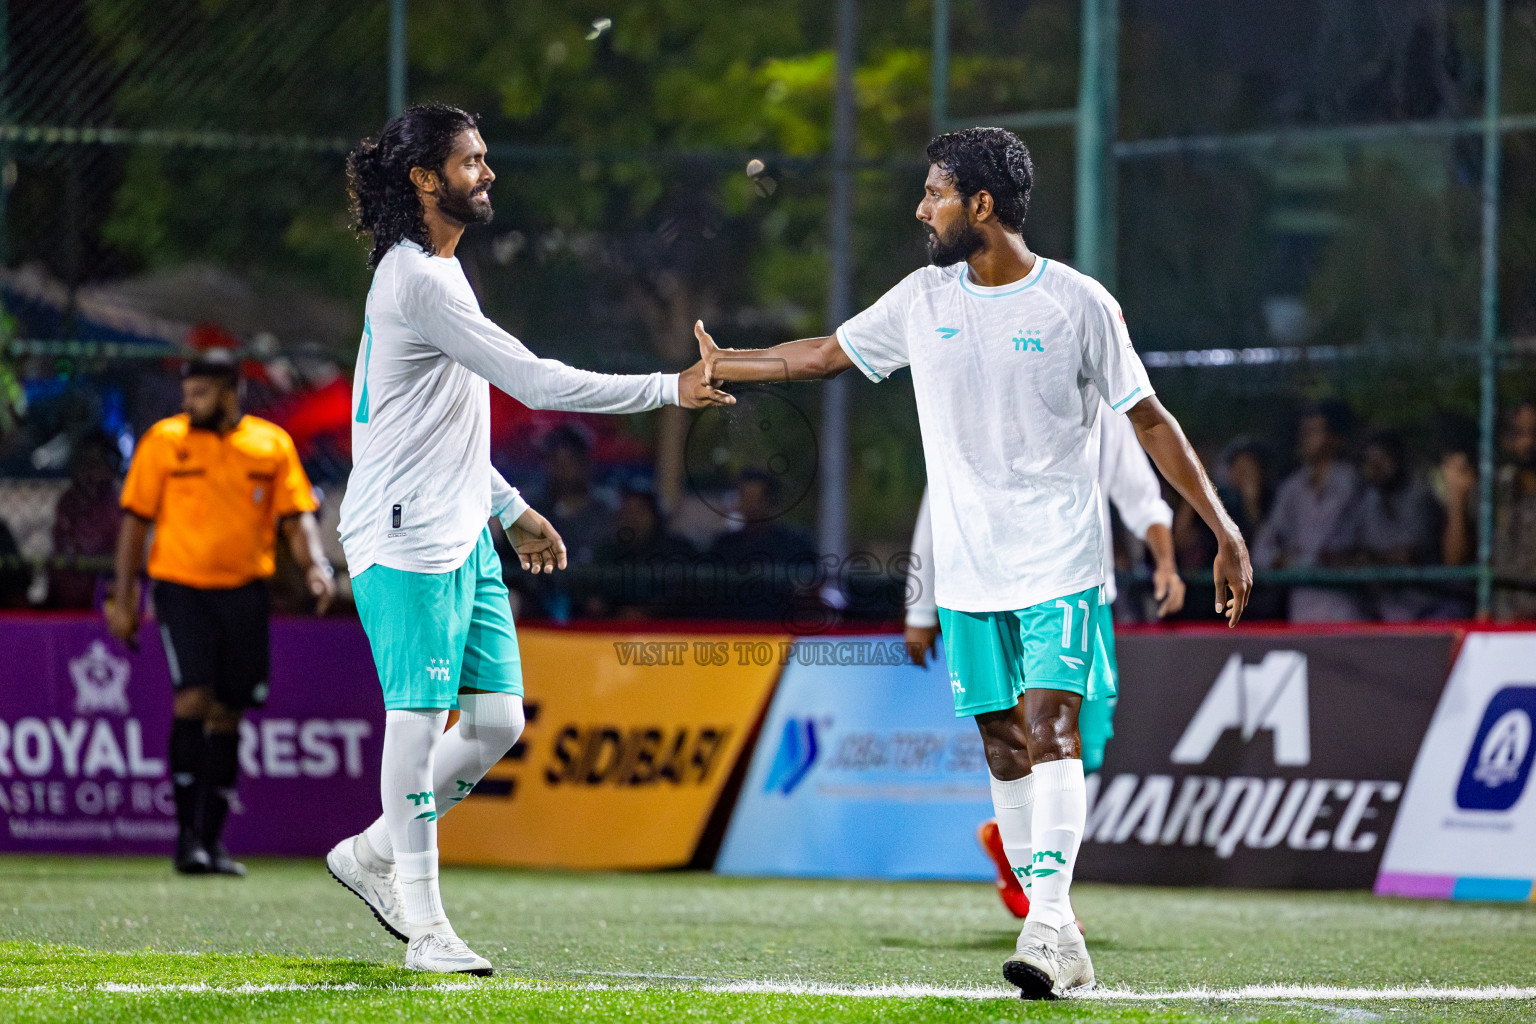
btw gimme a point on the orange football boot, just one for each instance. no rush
(1008, 888)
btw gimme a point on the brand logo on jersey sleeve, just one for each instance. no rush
(1499, 763)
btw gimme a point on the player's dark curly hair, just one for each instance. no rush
(990, 159)
(384, 202)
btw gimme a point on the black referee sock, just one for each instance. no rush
(221, 766)
(186, 765)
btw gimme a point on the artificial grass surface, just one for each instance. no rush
(639, 947)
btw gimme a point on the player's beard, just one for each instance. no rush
(958, 245)
(463, 207)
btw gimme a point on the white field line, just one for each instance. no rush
(1259, 993)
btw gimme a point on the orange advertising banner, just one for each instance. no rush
(631, 739)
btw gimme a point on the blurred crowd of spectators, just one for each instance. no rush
(629, 560)
(1359, 499)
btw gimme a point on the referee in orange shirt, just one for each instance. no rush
(216, 485)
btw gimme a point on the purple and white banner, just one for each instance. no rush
(84, 724)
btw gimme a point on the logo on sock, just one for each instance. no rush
(1039, 872)
(418, 799)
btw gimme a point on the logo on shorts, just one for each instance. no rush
(101, 681)
(439, 669)
(955, 684)
(1499, 763)
(1270, 695)
(794, 758)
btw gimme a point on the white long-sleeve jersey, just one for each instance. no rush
(1125, 478)
(422, 484)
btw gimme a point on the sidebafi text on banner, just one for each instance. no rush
(631, 740)
(84, 724)
(861, 770)
(1467, 827)
(1259, 759)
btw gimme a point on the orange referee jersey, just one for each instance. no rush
(215, 500)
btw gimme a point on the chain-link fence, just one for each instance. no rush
(1301, 218)
(1295, 215)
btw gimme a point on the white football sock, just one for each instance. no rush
(405, 786)
(488, 725)
(423, 900)
(1014, 802)
(1061, 811)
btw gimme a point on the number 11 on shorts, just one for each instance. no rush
(1066, 622)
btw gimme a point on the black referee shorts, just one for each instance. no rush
(217, 639)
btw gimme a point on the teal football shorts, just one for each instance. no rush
(434, 634)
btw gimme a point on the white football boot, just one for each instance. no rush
(1074, 970)
(444, 953)
(379, 889)
(1033, 966)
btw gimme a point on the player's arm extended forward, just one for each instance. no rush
(1164, 440)
(473, 340)
(806, 359)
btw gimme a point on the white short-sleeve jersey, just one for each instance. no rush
(422, 485)
(1009, 381)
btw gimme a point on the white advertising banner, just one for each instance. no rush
(1466, 828)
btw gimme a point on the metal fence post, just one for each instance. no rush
(832, 518)
(396, 56)
(5, 115)
(939, 71)
(1488, 333)
(1097, 93)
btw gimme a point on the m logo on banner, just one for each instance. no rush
(1270, 695)
(1499, 762)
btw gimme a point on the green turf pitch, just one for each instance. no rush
(115, 940)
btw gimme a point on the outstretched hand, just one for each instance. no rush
(696, 385)
(539, 548)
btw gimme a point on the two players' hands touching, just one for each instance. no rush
(696, 385)
(537, 544)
